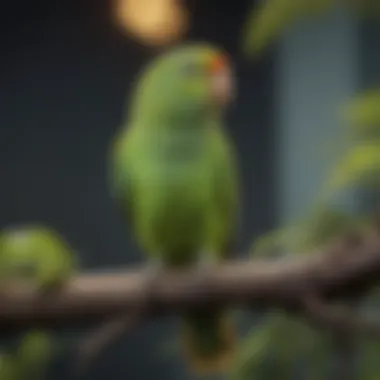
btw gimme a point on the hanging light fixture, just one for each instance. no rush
(153, 22)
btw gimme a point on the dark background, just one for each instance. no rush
(64, 76)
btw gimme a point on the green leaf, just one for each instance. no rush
(267, 21)
(369, 363)
(363, 111)
(254, 351)
(274, 242)
(281, 341)
(8, 367)
(318, 228)
(34, 353)
(36, 345)
(318, 355)
(324, 223)
(360, 167)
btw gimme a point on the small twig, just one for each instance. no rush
(92, 346)
(340, 319)
(113, 330)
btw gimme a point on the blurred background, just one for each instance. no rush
(66, 68)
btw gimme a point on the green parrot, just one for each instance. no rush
(174, 176)
(39, 254)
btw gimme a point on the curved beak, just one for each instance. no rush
(222, 82)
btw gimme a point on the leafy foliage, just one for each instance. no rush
(318, 228)
(271, 18)
(276, 347)
(280, 341)
(34, 354)
(359, 167)
(363, 112)
(280, 338)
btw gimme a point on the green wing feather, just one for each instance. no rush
(226, 200)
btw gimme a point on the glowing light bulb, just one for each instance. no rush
(153, 22)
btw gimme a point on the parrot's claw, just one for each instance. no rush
(206, 261)
(154, 268)
(153, 271)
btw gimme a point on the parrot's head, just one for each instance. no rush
(188, 80)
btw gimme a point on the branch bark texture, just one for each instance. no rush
(340, 271)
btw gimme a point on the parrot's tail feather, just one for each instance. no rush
(209, 344)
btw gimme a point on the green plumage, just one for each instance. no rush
(36, 253)
(174, 175)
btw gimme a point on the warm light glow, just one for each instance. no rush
(154, 22)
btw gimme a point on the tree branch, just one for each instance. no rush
(338, 272)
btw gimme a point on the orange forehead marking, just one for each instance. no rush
(217, 63)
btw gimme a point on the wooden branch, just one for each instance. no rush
(338, 272)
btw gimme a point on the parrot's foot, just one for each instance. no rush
(152, 272)
(154, 268)
(207, 260)
(204, 266)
